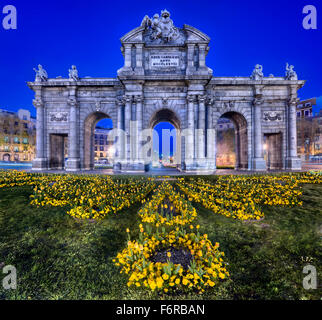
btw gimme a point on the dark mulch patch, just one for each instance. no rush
(166, 211)
(178, 256)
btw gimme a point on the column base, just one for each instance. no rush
(201, 166)
(259, 164)
(139, 71)
(73, 164)
(117, 167)
(134, 167)
(39, 164)
(293, 163)
(205, 71)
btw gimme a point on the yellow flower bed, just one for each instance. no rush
(149, 213)
(90, 197)
(15, 178)
(206, 269)
(240, 197)
(228, 203)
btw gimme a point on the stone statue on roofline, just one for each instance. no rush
(290, 74)
(41, 74)
(257, 73)
(73, 73)
(161, 27)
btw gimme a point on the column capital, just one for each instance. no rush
(293, 101)
(210, 101)
(191, 98)
(138, 99)
(258, 101)
(71, 101)
(128, 98)
(202, 98)
(119, 102)
(37, 102)
(191, 45)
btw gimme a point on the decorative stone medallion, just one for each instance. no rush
(272, 116)
(58, 116)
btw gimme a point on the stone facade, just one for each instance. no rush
(165, 78)
(17, 136)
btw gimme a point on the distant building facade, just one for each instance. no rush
(309, 129)
(17, 136)
(103, 148)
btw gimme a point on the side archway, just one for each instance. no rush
(241, 137)
(89, 138)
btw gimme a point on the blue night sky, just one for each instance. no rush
(59, 33)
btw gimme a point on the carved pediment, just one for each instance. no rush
(136, 35)
(195, 35)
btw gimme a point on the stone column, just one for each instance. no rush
(202, 56)
(139, 124)
(190, 61)
(40, 162)
(258, 162)
(127, 119)
(190, 143)
(211, 136)
(40, 130)
(293, 162)
(292, 129)
(73, 162)
(139, 59)
(120, 135)
(201, 128)
(127, 56)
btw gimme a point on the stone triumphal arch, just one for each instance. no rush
(165, 78)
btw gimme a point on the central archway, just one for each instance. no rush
(97, 147)
(240, 140)
(173, 136)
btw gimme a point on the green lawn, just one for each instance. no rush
(58, 257)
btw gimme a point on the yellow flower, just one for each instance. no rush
(127, 230)
(159, 282)
(169, 254)
(165, 276)
(152, 285)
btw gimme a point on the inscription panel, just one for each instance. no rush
(164, 60)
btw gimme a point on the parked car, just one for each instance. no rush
(316, 158)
